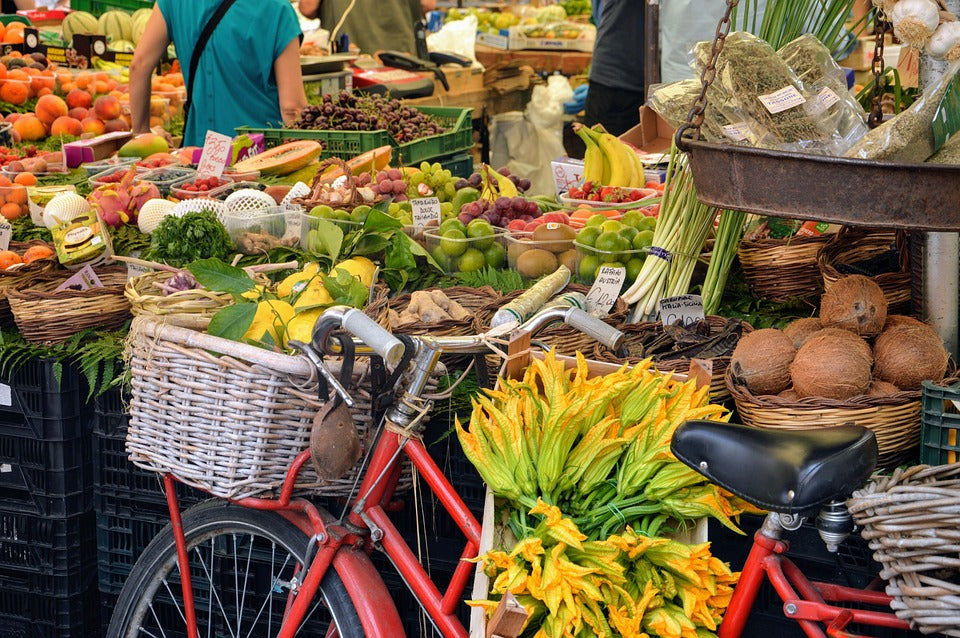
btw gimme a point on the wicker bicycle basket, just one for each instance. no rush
(911, 519)
(852, 245)
(477, 301)
(778, 269)
(227, 417)
(46, 315)
(894, 419)
(22, 277)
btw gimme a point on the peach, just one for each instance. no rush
(49, 108)
(116, 125)
(78, 113)
(107, 107)
(79, 98)
(94, 126)
(12, 117)
(30, 128)
(66, 126)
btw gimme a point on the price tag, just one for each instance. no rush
(6, 231)
(83, 279)
(782, 100)
(605, 290)
(737, 132)
(425, 210)
(824, 100)
(216, 150)
(5, 468)
(135, 270)
(6, 396)
(686, 309)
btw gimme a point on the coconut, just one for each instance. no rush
(800, 330)
(761, 361)
(789, 394)
(834, 364)
(855, 303)
(899, 320)
(880, 388)
(908, 354)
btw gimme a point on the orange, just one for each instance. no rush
(4, 181)
(13, 37)
(37, 252)
(26, 179)
(11, 211)
(9, 258)
(14, 92)
(17, 194)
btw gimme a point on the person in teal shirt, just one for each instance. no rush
(248, 74)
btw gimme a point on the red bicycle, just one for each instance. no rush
(285, 567)
(793, 475)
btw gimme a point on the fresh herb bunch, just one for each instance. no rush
(25, 230)
(128, 239)
(178, 241)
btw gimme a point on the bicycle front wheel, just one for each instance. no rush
(245, 566)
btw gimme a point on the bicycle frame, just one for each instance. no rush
(804, 601)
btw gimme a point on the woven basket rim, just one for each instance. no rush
(454, 293)
(851, 239)
(771, 242)
(107, 275)
(9, 278)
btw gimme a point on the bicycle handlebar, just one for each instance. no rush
(363, 328)
(594, 327)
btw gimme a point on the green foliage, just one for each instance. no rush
(786, 20)
(346, 289)
(503, 281)
(181, 240)
(214, 274)
(128, 239)
(903, 96)
(233, 321)
(25, 230)
(738, 302)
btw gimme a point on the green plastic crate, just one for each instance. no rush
(96, 7)
(459, 165)
(940, 426)
(348, 144)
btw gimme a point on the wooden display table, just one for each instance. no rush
(566, 62)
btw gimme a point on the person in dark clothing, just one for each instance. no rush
(12, 6)
(616, 71)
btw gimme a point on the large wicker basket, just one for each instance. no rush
(21, 277)
(186, 308)
(852, 245)
(45, 315)
(226, 417)
(911, 520)
(778, 269)
(894, 419)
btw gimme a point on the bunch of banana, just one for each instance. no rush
(122, 71)
(495, 185)
(609, 161)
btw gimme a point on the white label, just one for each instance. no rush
(605, 290)
(5, 468)
(786, 98)
(216, 150)
(135, 270)
(824, 100)
(686, 309)
(737, 132)
(83, 279)
(425, 210)
(6, 231)
(6, 397)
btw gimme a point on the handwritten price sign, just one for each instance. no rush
(686, 309)
(605, 290)
(425, 210)
(216, 151)
(6, 231)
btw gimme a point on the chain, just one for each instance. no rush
(695, 117)
(876, 111)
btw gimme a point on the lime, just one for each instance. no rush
(482, 231)
(596, 220)
(588, 268)
(610, 242)
(442, 259)
(631, 218)
(471, 260)
(494, 255)
(359, 214)
(341, 215)
(633, 268)
(588, 235)
(628, 233)
(647, 223)
(323, 211)
(642, 240)
(611, 226)
(453, 243)
(452, 224)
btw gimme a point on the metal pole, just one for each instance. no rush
(651, 45)
(941, 251)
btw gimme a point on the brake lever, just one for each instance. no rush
(328, 376)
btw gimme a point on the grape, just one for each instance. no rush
(514, 179)
(532, 208)
(475, 180)
(504, 171)
(465, 218)
(348, 112)
(502, 202)
(524, 184)
(518, 203)
(461, 183)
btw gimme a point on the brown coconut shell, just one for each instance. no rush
(789, 394)
(880, 388)
(834, 364)
(855, 303)
(900, 320)
(906, 355)
(800, 330)
(761, 361)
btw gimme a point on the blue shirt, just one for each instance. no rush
(235, 84)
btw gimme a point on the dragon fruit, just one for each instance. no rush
(118, 204)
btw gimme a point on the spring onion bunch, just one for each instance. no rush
(729, 233)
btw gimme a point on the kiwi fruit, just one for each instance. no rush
(536, 262)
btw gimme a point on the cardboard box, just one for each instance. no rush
(92, 150)
(567, 172)
(652, 135)
(462, 79)
(514, 38)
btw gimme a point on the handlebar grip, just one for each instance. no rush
(369, 332)
(594, 327)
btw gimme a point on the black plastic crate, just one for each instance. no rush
(415, 621)
(120, 541)
(110, 417)
(45, 478)
(54, 556)
(27, 615)
(35, 403)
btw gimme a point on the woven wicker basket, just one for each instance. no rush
(46, 316)
(911, 520)
(894, 419)
(778, 269)
(852, 245)
(478, 301)
(229, 424)
(187, 308)
(22, 277)
(636, 333)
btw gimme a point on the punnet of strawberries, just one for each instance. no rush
(203, 184)
(614, 194)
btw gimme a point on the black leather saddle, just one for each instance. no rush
(790, 472)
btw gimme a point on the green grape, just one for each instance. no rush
(436, 167)
(449, 189)
(425, 167)
(447, 174)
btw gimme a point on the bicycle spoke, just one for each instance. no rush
(274, 580)
(214, 594)
(246, 578)
(154, 612)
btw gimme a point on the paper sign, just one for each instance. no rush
(135, 270)
(946, 121)
(5, 468)
(425, 210)
(737, 132)
(6, 397)
(824, 100)
(782, 100)
(216, 150)
(83, 279)
(605, 290)
(6, 231)
(686, 309)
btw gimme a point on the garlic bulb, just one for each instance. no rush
(944, 44)
(885, 5)
(914, 21)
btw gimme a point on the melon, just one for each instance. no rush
(908, 354)
(78, 22)
(855, 303)
(282, 160)
(761, 361)
(116, 25)
(123, 46)
(834, 364)
(139, 23)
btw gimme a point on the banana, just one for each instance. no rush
(622, 172)
(506, 187)
(593, 160)
(608, 160)
(637, 167)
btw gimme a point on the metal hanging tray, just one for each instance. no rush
(830, 189)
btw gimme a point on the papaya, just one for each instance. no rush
(282, 159)
(369, 162)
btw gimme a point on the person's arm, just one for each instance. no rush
(309, 8)
(286, 69)
(147, 56)
(426, 6)
(23, 5)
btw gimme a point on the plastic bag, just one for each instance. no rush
(907, 137)
(457, 37)
(526, 149)
(673, 101)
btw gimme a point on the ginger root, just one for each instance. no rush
(429, 307)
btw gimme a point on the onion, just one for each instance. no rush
(914, 21)
(944, 44)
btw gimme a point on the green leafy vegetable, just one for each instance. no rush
(215, 275)
(346, 289)
(181, 240)
(25, 230)
(128, 239)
